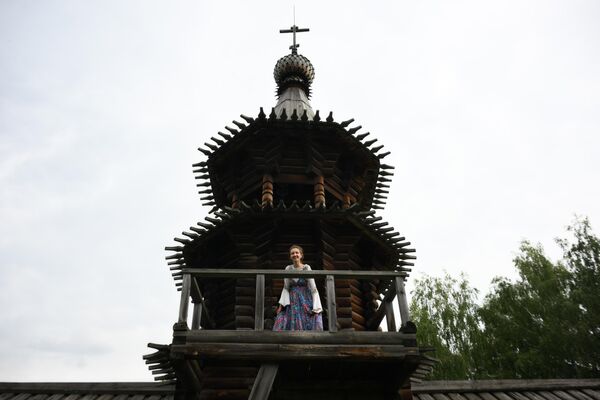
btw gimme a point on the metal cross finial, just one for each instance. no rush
(293, 29)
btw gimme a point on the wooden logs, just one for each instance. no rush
(293, 337)
(226, 382)
(264, 380)
(290, 352)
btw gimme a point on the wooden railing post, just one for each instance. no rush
(192, 275)
(402, 302)
(203, 313)
(196, 315)
(185, 299)
(331, 304)
(389, 315)
(259, 303)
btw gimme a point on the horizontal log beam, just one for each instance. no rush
(288, 352)
(243, 273)
(294, 337)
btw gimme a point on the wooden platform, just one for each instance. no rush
(281, 346)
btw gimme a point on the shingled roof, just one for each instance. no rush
(550, 389)
(517, 389)
(86, 391)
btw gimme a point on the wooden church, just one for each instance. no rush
(291, 176)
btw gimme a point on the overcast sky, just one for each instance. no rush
(491, 111)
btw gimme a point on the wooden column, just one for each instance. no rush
(185, 299)
(319, 192)
(389, 316)
(196, 315)
(402, 302)
(331, 304)
(235, 201)
(259, 303)
(267, 191)
(198, 299)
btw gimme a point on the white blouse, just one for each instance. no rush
(284, 300)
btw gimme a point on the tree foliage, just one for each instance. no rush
(546, 324)
(527, 322)
(445, 312)
(582, 258)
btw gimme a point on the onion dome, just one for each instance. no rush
(294, 70)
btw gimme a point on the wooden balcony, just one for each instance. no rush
(284, 361)
(190, 291)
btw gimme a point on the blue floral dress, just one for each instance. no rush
(302, 306)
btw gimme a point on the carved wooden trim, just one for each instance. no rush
(319, 191)
(267, 191)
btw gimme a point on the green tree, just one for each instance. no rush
(445, 313)
(545, 324)
(582, 259)
(528, 323)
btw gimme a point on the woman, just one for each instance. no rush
(299, 305)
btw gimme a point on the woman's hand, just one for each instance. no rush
(279, 308)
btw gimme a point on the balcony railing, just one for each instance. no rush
(191, 290)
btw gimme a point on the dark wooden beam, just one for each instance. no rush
(289, 352)
(402, 302)
(331, 304)
(389, 316)
(247, 273)
(185, 300)
(196, 315)
(294, 337)
(259, 304)
(263, 382)
(197, 297)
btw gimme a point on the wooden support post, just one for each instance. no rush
(402, 302)
(235, 203)
(196, 315)
(185, 299)
(319, 192)
(267, 191)
(192, 377)
(263, 382)
(331, 304)
(259, 303)
(389, 315)
(198, 298)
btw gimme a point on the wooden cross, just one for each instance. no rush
(293, 29)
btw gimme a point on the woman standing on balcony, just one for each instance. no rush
(299, 305)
